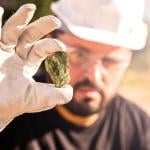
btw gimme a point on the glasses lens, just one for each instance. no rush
(78, 57)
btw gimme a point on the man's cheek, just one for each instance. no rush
(75, 76)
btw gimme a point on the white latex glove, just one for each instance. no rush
(21, 53)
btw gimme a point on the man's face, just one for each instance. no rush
(96, 71)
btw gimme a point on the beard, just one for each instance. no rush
(82, 107)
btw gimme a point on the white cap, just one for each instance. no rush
(114, 22)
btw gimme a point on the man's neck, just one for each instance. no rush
(75, 119)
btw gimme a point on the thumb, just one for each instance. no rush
(44, 96)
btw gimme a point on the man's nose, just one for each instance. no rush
(94, 71)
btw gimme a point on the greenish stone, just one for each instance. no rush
(57, 68)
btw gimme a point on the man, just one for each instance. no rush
(100, 37)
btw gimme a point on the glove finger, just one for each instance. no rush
(1, 15)
(15, 25)
(34, 32)
(44, 48)
(47, 96)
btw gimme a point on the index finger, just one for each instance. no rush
(34, 32)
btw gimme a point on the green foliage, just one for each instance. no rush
(10, 6)
(43, 7)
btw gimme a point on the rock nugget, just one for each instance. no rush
(57, 67)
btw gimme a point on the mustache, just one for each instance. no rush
(85, 83)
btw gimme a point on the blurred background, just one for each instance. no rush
(136, 84)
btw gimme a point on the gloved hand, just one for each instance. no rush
(21, 53)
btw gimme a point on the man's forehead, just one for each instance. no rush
(97, 48)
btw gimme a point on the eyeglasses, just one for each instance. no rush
(80, 57)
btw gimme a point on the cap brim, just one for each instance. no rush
(135, 40)
(132, 41)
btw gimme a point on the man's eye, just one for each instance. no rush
(77, 57)
(109, 61)
(79, 54)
